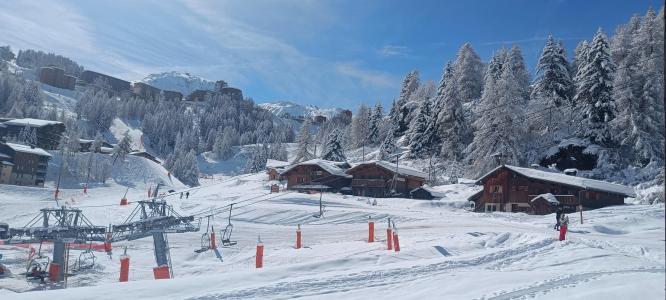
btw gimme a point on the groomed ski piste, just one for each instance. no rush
(446, 251)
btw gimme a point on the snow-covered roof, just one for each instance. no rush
(28, 149)
(548, 197)
(31, 122)
(430, 190)
(6, 163)
(272, 163)
(329, 166)
(585, 183)
(402, 170)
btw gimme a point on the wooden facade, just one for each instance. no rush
(300, 176)
(29, 165)
(48, 133)
(375, 180)
(509, 191)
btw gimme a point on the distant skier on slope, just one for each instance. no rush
(187, 195)
(564, 222)
(558, 215)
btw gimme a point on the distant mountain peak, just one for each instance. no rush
(283, 108)
(183, 82)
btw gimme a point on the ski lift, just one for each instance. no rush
(37, 266)
(86, 259)
(205, 238)
(226, 235)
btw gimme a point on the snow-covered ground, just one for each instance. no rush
(446, 252)
(283, 108)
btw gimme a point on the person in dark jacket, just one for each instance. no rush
(558, 214)
(187, 195)
(564, 223)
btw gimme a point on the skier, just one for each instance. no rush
(558, 214)
(181, 195)
(564, 222)
(187, 195)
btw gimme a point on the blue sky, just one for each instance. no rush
(327, 53)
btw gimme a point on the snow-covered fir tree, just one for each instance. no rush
(123, 148)
(409, 85)
(639, 89)
(388, 147)
(333, 149)
(453, 132)
(422, 133)
(304, 140)
(257, 160)
(468, 74)
(499, 129)
(516, 62)
(375, 124)
(594, 87)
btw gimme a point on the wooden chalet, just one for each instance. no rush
(48, 132)
(384, 179)
(317, 175)
(28, 164)
(536, 191)
(425, 193)
(274, 168)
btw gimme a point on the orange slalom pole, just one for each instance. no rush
(260, 255)
(124, 268)
(371, 231)
(212, 239)
(396, 242)
(298, 237)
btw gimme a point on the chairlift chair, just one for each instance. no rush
(37, 267)
(205, 239)
(86, 260)
(226, 235)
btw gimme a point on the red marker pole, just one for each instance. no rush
(396, 242)
(85, 189)
(371, 230)
(389, 236)
(124, 267)
(260, 254)
(212, 239)
(298, 237)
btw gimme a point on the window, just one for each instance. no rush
(300, 179)
(490, 207)
(496, 189)
(318, 173)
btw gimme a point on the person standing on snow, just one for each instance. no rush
(564, 223)
(181, 195)
(187, 195)
(558, 215)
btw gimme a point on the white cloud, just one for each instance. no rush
(367, 77)
(393, 51)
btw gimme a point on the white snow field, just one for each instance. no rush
(446, 252)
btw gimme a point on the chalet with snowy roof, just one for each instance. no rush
(274, 168)
(317, 175)
(47, 132)
(384, 179)
(28, 163)
(425, 193)
(540, 191)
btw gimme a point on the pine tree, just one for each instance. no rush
(517, 64)
(553, 85)
(388, 147)
(375, 123)
(594, 88)
(499, 130)
(409, 86)
(394, 120)
(639, 90)
(421, 138)
(304, 140)
(333, 149)
(123, 148)
(453, 131)
(468, 74)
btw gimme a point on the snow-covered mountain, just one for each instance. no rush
(185, 83)
(284, 108)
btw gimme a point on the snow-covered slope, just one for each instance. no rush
(185, 83)
(283, 108)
